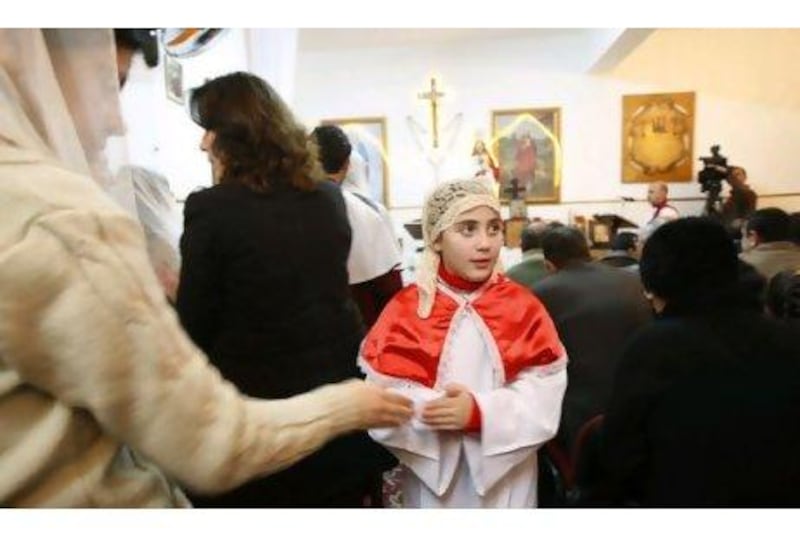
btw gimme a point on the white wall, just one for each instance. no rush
(479, 77)
(755, 117)
(161, 136)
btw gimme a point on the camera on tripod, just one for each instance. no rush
(715, 170)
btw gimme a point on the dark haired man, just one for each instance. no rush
(623, 251)
(531, 268)
(766, 242)
(374, 260)
(595, 308)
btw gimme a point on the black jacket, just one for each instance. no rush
(264, 293)
(704, 412)
(595, 308)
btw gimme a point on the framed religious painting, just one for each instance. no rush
(657, 137)
(368, 137)
(527, 146)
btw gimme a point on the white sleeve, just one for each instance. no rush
(431, 455)
(516, 420)
(83, 319)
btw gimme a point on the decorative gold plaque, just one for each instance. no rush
(657, 137)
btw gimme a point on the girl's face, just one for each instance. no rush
(207, 146)
(470, 247)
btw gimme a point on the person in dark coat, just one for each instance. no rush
(705, 400)
(623, 252)
(595, 308)
(263, 288)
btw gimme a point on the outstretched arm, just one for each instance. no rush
(84, 319)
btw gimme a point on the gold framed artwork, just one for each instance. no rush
(657, 137)
(368, 137)
(527, 146)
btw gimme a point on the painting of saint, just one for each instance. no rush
(528, 149)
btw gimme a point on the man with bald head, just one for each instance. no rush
(657, 194)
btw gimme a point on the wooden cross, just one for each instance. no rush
(433, 96)
(514, 189)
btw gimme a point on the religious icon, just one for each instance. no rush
(657, 137)
(528, 150)
(485, 164)
(436, 143)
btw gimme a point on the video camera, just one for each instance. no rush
(715, 170)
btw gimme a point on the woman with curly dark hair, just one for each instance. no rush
(264, 286)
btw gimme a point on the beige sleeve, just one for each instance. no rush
(83, 318)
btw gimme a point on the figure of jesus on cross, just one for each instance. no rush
(433, 96)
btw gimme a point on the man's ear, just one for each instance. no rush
(754, 237)
(549, 266)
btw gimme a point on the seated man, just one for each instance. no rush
(766, 242)
(589, 302)
(531, 268)
(623, 251)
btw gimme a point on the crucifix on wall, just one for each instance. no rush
(435, 152)
(433, 96)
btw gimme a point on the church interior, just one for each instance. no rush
(399, 267)
(739, 79)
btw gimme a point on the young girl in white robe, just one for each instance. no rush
(477, 353)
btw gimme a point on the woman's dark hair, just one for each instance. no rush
(258, 140)
(692, 264)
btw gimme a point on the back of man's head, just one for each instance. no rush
(770, 224)
(334, 147)
(531, 236)
(624, 241)
(565, 245)
(690, 263)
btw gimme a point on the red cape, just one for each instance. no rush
(401, 344)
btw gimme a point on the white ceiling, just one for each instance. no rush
(326, 39)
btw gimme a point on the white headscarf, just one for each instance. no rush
(160, 217)
(356, 178)
(442, 208)
(59, 97)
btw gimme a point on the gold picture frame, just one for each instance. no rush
(368, 137)
(657, 137)
(526, 144)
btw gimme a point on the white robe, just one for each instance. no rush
(496, 467)
(374, 249)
